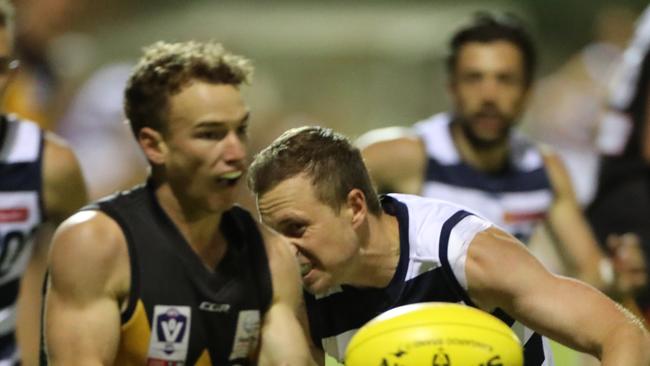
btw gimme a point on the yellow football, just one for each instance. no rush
(438, 334)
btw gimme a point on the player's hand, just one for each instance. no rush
(628, 262)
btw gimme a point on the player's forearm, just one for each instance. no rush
(283, 339)
(627, 344)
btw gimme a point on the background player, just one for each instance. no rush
(622, 202)
(171, 272)
(360, 257)
(473, 157)
(40, 183)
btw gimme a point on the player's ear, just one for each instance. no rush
(153, 145)
(358, 207)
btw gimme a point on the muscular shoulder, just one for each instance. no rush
(384, 143)
(395, 158)
(89, 255)
(64, 190)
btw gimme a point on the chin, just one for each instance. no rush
(318, 287)
(219, 204)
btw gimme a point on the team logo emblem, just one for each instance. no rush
(169, 334)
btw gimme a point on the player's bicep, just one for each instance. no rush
(91, 326)
(502, 273)
(86, 279)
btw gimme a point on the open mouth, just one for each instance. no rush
(230, 178)
(305, 268)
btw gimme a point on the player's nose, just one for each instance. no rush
(235, 148)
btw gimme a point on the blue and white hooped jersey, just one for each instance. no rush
(515, 200)
(21, 149)
(434, 239)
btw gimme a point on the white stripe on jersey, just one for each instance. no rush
(624, 82)
(13, 268)
(439, 144)
(336, 345)
(7, 320)
(22, 143)
(507, 211)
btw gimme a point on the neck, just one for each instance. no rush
(199, 227)
(380, 252)
(492, 158)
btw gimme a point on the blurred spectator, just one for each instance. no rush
(46, 57)
(622, 202)
(96, 119)
(566, 105)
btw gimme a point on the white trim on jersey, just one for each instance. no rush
(8, 320)
(336, 345)
(22, 143)
(623, 86)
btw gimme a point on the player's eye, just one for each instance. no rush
(294, 230)
(210, 134)
(242, 130)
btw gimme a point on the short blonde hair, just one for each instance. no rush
(166, 68)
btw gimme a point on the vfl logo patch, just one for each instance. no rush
(170, 333)
(17, 214)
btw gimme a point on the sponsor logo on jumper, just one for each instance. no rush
(515, 217)
(246, 335)
(217, 308)
(15, 214)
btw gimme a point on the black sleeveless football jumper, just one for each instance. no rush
(180, 312)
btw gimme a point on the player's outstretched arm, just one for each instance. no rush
(64, 189)
(395, 159)
(502, 273)
(64, 192)
(89, 274)
(566, 220)
(285, 332)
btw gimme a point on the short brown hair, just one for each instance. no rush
(334, 165)
(165, 68)
(487, 27)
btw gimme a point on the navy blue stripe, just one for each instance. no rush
(426, 288)
(534, 351)
(7, 345)
(444, 259)
(9, 293)
(20, 176)
(353, 307)
(398, 209)
(503, 317)
(39, 179)
(340, 312)
(462, 175)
